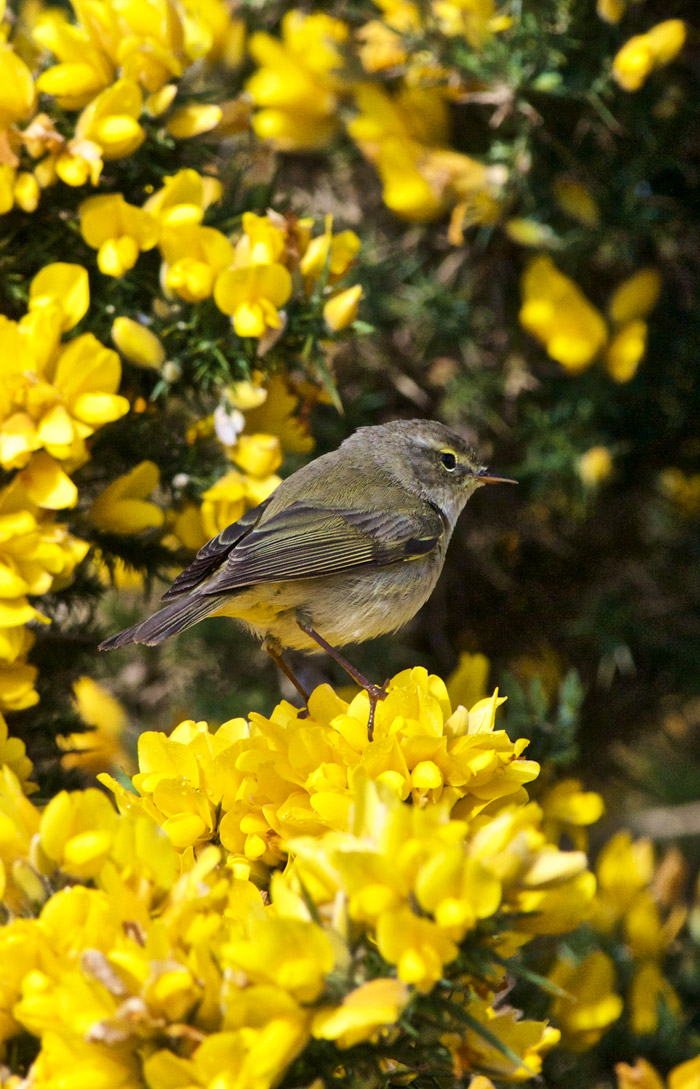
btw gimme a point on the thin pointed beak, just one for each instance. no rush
(483, 479)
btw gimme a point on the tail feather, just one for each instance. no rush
(174, 618)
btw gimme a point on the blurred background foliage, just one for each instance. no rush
(513, 191)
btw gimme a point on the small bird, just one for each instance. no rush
(347, 548)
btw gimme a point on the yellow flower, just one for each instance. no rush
(647, 990)
(595, 466)
(101, 746)
(531, 1040)
(379, 47)
(296, 86)
(262, 242)
(558, 314)
(640, 1076)
(138, 343)
(117, 230)
(259, 455)
(13, 754)
(568, 810)
(65, 287)
(336, 252)
(418, 947)
(252, 296)
(626, 350)
(123, 507)
(370, 1007)
(184, 198)
(17, 93)
(46, 484)
(83, 70)
(294, 954)
(590, 1005)
(341, 309)
(76, 831)
(17, 690)
(110, 121)
(686, 1075)
(644, 52)
(475, 20)
(193, 120)
(194, 256)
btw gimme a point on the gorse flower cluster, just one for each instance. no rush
(162, 945)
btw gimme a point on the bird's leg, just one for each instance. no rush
(274, 652)
(374, 691)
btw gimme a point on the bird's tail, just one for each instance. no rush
(174, 618)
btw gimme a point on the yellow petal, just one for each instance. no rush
(64, 285)
(47, 485)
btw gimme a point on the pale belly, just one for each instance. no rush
(343, 609)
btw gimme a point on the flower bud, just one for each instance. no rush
(595, 466)
(138, 344)
(341, 310)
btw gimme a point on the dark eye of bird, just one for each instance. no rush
(448, 460)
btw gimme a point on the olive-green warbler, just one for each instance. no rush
(347, 548)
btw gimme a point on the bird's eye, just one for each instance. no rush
(448, 460)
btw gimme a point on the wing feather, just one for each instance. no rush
(211, 555)
(303, 541)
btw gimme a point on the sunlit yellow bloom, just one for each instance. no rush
(65, 287)
(184, 198)
(297, 83)
(577, 201)
(78, 163)
(138, 343)
(274, 412)
(258, 454)
(17, 93)
(194, 256)
(379, 47)
(76, 831)
(262, 242)
(46, 484)
(635, 297)
(193, 120)
(17, 680)
(252, 296)
(568, 810)
(328, 252)
(557, 312)
(26, 191)
(362, 1013)
(591, 1004)
(595, 466)
(644, 52)
(111, 120)
(686, 1075)
(89, 1063)
(117, 230)
(341, 309)
(13, 753)
(404, 136)
(83, 70)
(123, 507)
(100, 747)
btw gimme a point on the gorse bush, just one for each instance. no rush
(230, 234)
